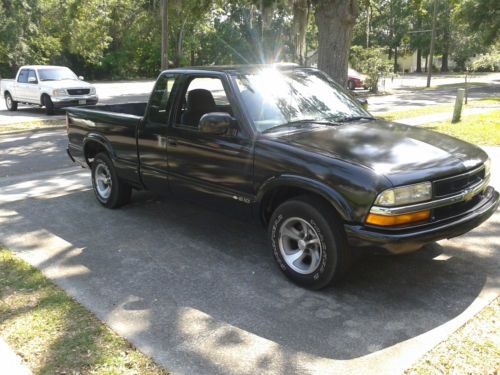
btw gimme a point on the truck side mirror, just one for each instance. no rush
(32, 80)
(80, 78)
(217, 123)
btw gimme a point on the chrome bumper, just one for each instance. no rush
(464, 195)
(74, 98)
(402, 240)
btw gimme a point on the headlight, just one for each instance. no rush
(405, 195)
(59, 92)
(487, 167)
(92, 91)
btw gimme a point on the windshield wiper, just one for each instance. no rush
(299, 122)
(356, 118)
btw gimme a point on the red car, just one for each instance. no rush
(355, 80)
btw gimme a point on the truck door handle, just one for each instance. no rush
(171, 141)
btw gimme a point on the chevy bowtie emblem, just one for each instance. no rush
(469, 195)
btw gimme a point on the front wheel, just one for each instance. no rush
(10, 103)
(48, 104)
(109, 190)
(308, 242)
(351, 85)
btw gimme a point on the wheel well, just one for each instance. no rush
(277, 196)
(91, 149)
(6, 92)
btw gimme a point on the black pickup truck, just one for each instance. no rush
(291, 148)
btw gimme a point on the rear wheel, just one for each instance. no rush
(47, 103)
(10, 103)
(109, 190)
(309, 242)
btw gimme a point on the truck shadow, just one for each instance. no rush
(209, 283)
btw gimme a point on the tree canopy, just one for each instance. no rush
(122, 38)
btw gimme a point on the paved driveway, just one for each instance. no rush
(200, 291)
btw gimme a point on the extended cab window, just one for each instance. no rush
(203, 95)
(160, 99)
(32, 76)
(23, 76)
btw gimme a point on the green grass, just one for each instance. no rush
(473, 349)
(440, 108)
(482, 129)
(31, 125)
(56, 335)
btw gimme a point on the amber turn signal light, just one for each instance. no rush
(388, 221)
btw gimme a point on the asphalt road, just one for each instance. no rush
(200, 292)
(405, 99)
(108, 92)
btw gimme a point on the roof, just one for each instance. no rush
(41, 66)
(236, 68)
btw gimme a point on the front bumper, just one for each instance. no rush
(74, 100)
(410, 239)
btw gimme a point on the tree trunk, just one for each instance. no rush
(444, 62)
(419, 60)
(426, 62)
(335, 20)
(266, 17)
(164, 34)
(180, 44)
(446, 38)
(396, 60)
(300, 20)
(368, 23)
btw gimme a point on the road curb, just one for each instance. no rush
(58, 127)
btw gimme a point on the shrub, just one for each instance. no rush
(489, 62)
(372, 62)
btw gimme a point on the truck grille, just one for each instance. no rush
(455, 209)
(456, 184)
(78, 91)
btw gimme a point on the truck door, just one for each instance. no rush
(21, 85)
(32, 91)
(210, 169)
(152, 135)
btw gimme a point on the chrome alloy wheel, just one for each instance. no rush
(8, 101)
(300, 245)
(103, 183)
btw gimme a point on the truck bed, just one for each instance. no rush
(113, 126)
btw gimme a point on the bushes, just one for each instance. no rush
(489, 62)
(372, 62)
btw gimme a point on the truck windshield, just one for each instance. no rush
(276, 98)
(56, 74)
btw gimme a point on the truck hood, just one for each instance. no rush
(66, 84)
(404, 154)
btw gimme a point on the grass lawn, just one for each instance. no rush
(440, 108)
(482, 129)
(31, 125)
(473, 349)
(56, 335)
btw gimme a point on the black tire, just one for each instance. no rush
(119, 191)
(351, 85)
(47, 103)
(334, 256)
(10, 103)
